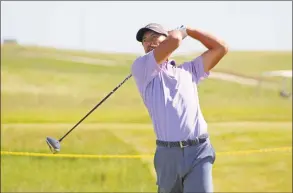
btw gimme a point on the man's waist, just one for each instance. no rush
(184, 143)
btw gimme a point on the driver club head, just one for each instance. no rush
(53, 144)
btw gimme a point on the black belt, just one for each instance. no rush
(200, 139)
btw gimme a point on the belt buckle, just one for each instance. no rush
(181, 144)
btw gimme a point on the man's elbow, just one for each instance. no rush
(212, 57)
(224, 48)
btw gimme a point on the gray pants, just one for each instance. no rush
(187, 169)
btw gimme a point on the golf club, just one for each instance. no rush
(54, 144)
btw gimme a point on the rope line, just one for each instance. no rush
(245, 152)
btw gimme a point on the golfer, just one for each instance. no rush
(184, 155)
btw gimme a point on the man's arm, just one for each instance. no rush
(217, 49)
(168, 46)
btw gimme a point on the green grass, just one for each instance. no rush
(45, 90)
(245, 173)
(64, 91)
(254, 172)
(25, 174)
(65, 174)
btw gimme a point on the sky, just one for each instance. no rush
(110, 26)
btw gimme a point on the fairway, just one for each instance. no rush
(43, 96)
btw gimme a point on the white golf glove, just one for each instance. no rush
(182, 29)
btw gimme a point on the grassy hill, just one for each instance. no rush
(45, 87)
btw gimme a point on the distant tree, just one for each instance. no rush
(10, 41)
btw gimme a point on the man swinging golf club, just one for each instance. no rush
(184, 155)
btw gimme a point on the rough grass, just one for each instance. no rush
(25, 174)
(66, 174)
(232, 173)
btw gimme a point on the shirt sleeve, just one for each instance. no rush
(196, 68)
(144, 69)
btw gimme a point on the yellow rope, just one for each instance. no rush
(245, 152)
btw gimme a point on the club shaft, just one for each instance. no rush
(105, 98)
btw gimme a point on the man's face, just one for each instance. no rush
(151, 40)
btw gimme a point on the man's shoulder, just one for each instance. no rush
(147, 57)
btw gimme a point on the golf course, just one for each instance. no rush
(46, 91)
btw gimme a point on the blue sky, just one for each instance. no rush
(112, 26)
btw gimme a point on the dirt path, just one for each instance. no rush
(78, 59)
(214, 75)
(242, 80)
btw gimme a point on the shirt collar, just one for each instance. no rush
(171, 62)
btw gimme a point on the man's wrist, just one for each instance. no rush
(188, 31)
(182, 30)
(184, 33)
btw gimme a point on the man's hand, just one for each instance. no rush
(182, 30)
(217, 49)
